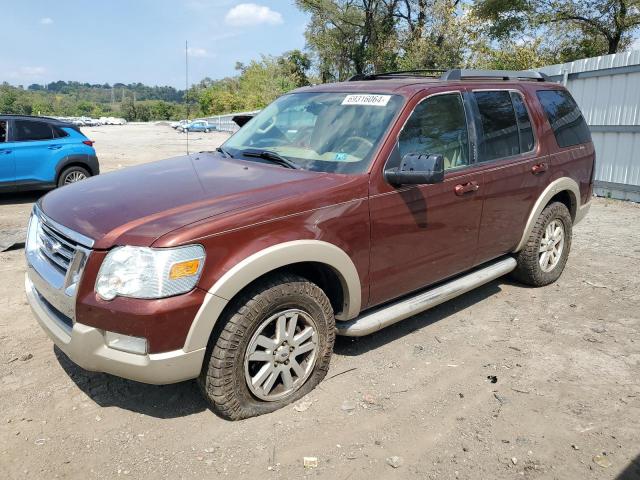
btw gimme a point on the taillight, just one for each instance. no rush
(89, 142)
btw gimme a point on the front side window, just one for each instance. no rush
(438, 126)
(567, 122)
(500, 136)
(26, 130)
(324, 132)
(3, 131)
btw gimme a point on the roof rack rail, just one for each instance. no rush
(424, 72)
(462, 74)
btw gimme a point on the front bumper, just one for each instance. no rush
(85, 346)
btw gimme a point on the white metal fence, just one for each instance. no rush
(225, 123)
(607, 88)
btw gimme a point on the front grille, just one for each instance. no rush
(58, 249)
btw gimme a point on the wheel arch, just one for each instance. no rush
(564, 190)
(319, 261)
(77, 160)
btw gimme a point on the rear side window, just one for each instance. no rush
(25, 130)
(506, 126)
(565, 117)
(3, 131)
(525, 128)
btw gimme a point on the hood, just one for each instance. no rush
(137, 205)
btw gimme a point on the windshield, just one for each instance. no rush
(323, 132)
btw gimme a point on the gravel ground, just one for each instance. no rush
(506, 381)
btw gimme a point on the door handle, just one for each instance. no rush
(468, 187)
(54, 147)
(539, 168)
(6, 152)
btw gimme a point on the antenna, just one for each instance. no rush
(186, 91)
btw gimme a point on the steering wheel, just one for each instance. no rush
(266, 129)
(361, 140)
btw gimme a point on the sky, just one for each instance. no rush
(141, 40)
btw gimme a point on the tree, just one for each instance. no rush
(259, 83)
(128, 109)
(575, 27)
(351, 36)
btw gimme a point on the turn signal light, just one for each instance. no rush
(184, 269)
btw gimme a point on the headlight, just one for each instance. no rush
(142, 272)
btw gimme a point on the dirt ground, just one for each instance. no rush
(504, 382)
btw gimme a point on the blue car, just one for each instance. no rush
(197, 126)
(42, 153)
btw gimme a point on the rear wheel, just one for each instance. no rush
(72, 175)
(274, 348)
(545, 254)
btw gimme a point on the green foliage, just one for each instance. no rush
(570, 29)
(71, 99)
(258, 84)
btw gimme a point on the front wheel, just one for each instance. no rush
(545, 254)
(72, 175)
(273, 349)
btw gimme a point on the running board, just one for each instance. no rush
(378, 319)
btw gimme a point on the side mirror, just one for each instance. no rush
(417, 169)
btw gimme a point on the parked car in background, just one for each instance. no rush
(339, 208)
(41, 152)
(197, 126)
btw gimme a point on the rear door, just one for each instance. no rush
(36, 151)
(515, 169)
(7, 160)
(421, 234)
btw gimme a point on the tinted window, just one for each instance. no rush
(3, 131)
(500, 129)
(565, 118)
(438, 126)
(524, 123)
(25, 130)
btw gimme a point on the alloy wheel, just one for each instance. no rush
(281, 354)
(551, 245)
(74, 177)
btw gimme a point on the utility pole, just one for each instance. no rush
(186, 91)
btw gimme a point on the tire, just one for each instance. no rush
(206, 130)
(530, 259)
(72, 175)
(227, 369)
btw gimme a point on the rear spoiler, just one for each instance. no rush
(241, 120)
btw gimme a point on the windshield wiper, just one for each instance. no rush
(271, 156)
(224, 152)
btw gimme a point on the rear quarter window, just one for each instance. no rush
(567, 122)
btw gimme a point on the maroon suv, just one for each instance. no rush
(339, 208)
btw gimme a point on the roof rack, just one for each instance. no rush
(466, 74)
(424, 72)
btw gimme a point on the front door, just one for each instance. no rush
(36, 151)
(426, 233)
(7, 161)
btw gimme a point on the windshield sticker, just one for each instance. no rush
(367, 99)
(341, 157)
